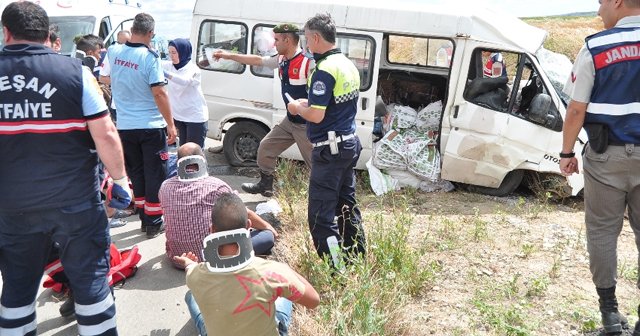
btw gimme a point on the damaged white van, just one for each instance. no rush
(489, 129)
(104, 18)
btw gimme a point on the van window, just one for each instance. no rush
(509, 82)
(360, 50)
(70, 27)
(263, 45)
(419, 51)
(221, 35)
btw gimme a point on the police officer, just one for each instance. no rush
(137, 84)
(334, 219)
(52, 123)
(605, 96)
(293, 68)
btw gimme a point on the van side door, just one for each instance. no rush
(492, 127)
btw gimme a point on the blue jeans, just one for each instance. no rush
(283, 314)
(145, 156)
(262, 241)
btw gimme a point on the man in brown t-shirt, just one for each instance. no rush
(241, 297)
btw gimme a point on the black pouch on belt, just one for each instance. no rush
(598, 137)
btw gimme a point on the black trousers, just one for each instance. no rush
(146, 155)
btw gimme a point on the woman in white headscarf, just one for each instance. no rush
(188, 106)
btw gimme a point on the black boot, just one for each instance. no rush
(68, 308)
(263, 187)
(611, 317)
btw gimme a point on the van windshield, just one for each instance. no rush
(68, 28)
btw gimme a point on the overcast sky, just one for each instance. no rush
(173, 17)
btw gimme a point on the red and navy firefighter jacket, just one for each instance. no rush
(48, 156)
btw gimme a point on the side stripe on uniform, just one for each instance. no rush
(96, 308)
(97, 329)
(152, 209)
(54, 126)
(613, 109)
(28, 329)
(621, 37)
(17, 313)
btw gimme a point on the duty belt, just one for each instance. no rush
(339, 139)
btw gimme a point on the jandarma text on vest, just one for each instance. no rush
(617, 54)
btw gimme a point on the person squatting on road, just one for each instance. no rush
(188, 107)
(293, 68)
(235, 292)
(187, 200)
(334, 218)
(53, 122)
(605, 100)
(138, 88)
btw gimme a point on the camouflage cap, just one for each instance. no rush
(286, 28)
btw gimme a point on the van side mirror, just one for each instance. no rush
(541, 110)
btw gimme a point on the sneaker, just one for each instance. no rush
(122, 213)
(116, 222)
(154, 231)
(215, 150)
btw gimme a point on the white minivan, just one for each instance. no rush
(407, 54)
(104, 18)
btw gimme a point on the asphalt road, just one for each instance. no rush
(152, 302)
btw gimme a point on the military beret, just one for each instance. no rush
(286, 28)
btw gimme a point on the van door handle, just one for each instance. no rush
(455, 111)
(364, 103)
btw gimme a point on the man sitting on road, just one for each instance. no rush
(187, 199)
(240, 294)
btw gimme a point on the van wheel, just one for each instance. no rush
(241, 143)
(510, 182)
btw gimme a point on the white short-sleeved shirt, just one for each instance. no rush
(105, 71)
(270, 62)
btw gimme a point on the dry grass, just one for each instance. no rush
(567, 34)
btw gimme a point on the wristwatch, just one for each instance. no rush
(567, 155)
